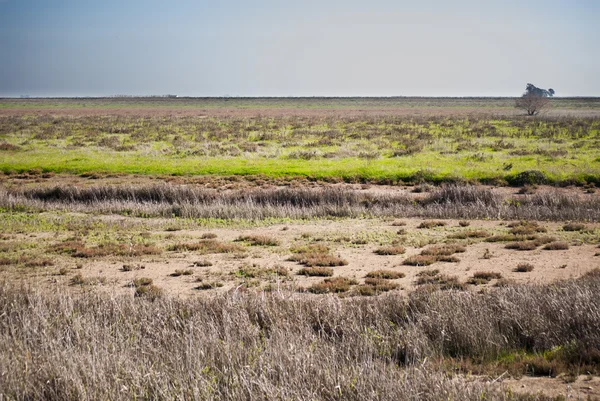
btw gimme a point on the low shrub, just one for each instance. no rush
(431, 224)
(574, 227)
(316, 271)
(557, 246)
(420, 260)
(522, 245)
(385, 274)
(469, 234)
(484, 277)
(178, 273)
(258, 240)
(524, 267)
(207, 246)
(390, 250)
(332, 285)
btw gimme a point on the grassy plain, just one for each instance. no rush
(401, 248)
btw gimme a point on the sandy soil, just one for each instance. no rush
(338, 236)
(584, 388)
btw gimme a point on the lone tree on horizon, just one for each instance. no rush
(534, 99)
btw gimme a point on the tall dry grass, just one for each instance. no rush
(60, 346)
(165, 200)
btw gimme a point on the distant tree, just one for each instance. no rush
(533, 90)
(534, 99)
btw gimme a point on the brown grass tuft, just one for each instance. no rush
(207, 246)
(431, 224)
(557, 246)
(574, 227)
(385, 274)
(390, 250)
(258, 240)
(332, 285)
(524, 268)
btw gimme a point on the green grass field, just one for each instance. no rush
(380, 149)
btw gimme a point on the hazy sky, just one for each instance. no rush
(302, 48)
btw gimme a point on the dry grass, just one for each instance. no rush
(167, 200)
(419, 260)
(94, 345)
(522, 245)
(574, 227)
(432, 224)
(437, 253)
(524, 268)
(469, 234)
(206, 247)
(484, 277)
(27, 261)
(258, 240)
(385, 274)
(526, 228)
(443, 250)
(316, 255)
(433, 279)
(181, 272)
(390, 250)
(316, 271)
(557, 246)
(80, 250)
(333, 285)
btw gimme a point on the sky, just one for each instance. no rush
(298, 48)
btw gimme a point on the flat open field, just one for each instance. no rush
(299, 249)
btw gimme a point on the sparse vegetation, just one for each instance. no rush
(316, 255)
(261, 240)
(556, 246)
(574, 227)
(151, 193)
(206, 246)
(432, 224)
(385, 274)
(524, 268)
(316, 271)
(390, 250)
(332, 285)
(484, 277)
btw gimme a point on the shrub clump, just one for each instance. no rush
(524, 268)
(431, 224)
(332, 285)
(145, 289)
(390, 250)
(385, 274)
(317, 271)
(484, 277)
(258, 240)
(574, 227)
(207, 246)
(420, 260)
(316, 255)
(557, 246)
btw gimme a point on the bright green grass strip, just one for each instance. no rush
(427, 165)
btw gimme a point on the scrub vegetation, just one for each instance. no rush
(330, 249)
